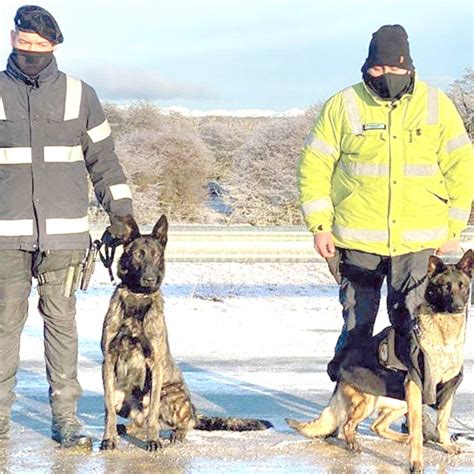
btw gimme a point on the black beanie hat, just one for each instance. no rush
(34, 19)
(389, 46)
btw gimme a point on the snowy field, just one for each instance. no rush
(252, 340)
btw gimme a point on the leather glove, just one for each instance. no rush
(115, 234)
(121, 231)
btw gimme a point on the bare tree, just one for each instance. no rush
(263, 183)
(223, 136)
(461, 92)
(205, 169)
(168, 169)
(117, 117)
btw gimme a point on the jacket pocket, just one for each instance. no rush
(62, 132)
(439, 196)
(346, 199)
(343, 188)
(423, 141)
(14, 133)
(362, 144)
(437, 188)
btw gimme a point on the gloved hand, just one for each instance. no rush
(119, 232)
(112, 237)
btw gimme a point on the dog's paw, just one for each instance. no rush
(354, 447)
(452, 449)
(416, 467)
(108, 445)
(177, 436)
(153, 445)
(121, 430)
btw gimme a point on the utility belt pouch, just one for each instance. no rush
(71, 280)
(334, 265)
(387, 355)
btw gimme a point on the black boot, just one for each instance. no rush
(4, 426)
(67, 430)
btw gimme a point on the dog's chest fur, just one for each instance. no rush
(442, 338)
(140, 339)
(139, 320)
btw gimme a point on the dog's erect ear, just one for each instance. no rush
(435, 266)
(160, 231)
(466, 263)
(125, 229)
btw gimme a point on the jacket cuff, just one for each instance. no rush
(320, 228)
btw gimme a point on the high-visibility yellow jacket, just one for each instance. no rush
(387, 178)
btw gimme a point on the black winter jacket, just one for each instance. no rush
(53, 133)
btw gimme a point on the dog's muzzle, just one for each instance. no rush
(148, 282)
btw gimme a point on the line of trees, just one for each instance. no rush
(221, 169)
(208, 169)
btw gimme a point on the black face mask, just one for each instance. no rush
(389, 86)
(31, 63)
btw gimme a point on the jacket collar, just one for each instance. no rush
(47, 75)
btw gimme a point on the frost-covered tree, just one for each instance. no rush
(168, 169)
(263, 181)
(461, 92)
(174, 164)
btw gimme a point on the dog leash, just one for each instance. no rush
(106, 257)
(467, 434)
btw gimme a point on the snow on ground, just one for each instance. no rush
(253, 340)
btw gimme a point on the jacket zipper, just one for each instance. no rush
(37, 246)
(390, 191)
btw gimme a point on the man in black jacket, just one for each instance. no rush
(53, 135)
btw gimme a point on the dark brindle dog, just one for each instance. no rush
(441, 321)
(141, 379)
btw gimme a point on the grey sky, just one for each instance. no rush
(272, 54)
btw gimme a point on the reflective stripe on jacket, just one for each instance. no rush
(387, 178)
(53, 135)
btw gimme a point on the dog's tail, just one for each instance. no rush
(215, 423)
(328, 422)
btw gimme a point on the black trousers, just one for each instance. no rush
(362, 276)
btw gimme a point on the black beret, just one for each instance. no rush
(35, 19)
(389, 46)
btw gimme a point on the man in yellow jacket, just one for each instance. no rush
(386, 179)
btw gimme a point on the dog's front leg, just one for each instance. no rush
(414, 401)
(442, 424)
(153, 435)
(109, 440)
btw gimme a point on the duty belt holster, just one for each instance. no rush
(387, 353)
(334, 265)
(76, 275)
(88, 266)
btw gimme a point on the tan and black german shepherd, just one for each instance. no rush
(441, 321)
(141, 380)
